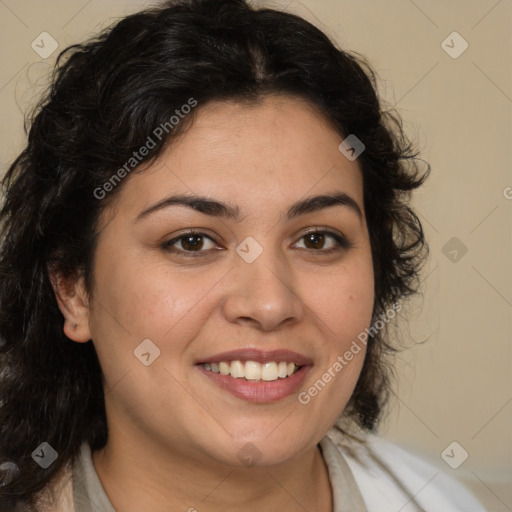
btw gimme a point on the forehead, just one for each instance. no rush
(276, 151)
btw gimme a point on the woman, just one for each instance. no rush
(203, 244)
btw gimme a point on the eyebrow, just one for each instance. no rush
(214, 208)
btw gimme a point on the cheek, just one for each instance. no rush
(142, 296)
(342, 303)
(343, 300)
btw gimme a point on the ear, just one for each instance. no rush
(73, 303)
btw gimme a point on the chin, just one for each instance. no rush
(258, 451)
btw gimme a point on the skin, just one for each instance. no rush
(173, 435)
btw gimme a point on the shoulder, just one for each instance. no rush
(391, 478)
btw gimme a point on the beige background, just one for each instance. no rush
(457, 386)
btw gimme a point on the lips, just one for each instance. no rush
(255, 375)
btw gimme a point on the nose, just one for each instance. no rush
(262, 294)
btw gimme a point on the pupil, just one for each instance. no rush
(189, 244)
(319, 239)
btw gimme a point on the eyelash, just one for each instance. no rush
(342, 243)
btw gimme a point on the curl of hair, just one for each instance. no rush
(107, 96)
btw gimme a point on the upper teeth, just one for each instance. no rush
(252, 370)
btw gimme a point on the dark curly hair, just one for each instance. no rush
(107, 96)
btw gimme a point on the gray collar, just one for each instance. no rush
(89, 495)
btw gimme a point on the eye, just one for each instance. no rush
(190, 244)
(196, 244)
(316, 239)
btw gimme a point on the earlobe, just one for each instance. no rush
(73, 303)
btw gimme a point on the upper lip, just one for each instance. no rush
(260, 356)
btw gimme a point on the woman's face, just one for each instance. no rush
(255, 287)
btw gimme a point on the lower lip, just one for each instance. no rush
(259, 391)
